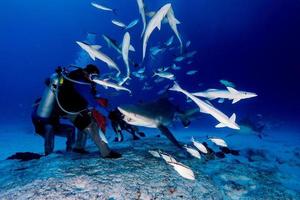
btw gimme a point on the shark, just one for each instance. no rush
(112, 43)
(94, 52)
(206, 107)
(125, 51)
(230, 93)
(155, 22)
(158, 114)
(141, 7)
(173, 22)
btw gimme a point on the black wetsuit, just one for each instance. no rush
(74, 97)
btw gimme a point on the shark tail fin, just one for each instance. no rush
(175, 87)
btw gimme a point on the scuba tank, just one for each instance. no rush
(48, 100)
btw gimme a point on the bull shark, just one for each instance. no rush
(158, 114)
(230, 93)
(153, 23)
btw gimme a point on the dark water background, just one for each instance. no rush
(253, 43)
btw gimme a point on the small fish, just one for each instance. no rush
(158, 80)
(183, 170)
(179, 59)
(189, 62)
(227, 83)
(138, 75)
(191, 72)
(132, 24)
(163, 69)
(118, 23)
(141, 71)
(218, 142)
(193, 152)
(169, 42)
(199, 146)
(154, 153)
(168, 158)
(146, 87)
(190, 54)
(164, 74)
(100, 7)
(155, 50)
(160, 92)
(188, 43)
(175, 67)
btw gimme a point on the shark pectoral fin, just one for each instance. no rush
(131, 48)
(159, 26)
(203, 111)
(235, 101)
(221, 101)
(92, 56)
(164, 130)
(233, 117)
(220, 125)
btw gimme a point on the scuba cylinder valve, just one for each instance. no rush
(48, 100)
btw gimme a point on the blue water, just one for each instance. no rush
(254, 44)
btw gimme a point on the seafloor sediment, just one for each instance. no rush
(138, 175)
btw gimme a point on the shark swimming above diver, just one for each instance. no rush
(158, 114)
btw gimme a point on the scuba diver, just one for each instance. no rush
(48, 126)
(73, 95)
(118, 125)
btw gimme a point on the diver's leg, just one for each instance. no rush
(92, 130)
(80, 142)
(49, 139)
(68, 131)
(115, 128)
(130, 130)
(169, 135)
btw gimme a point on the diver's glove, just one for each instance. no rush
(113, 155)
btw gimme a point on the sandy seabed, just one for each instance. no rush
(265, 169)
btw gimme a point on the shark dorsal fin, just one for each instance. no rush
(96, 47)
(210, 90)
(232, 90)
